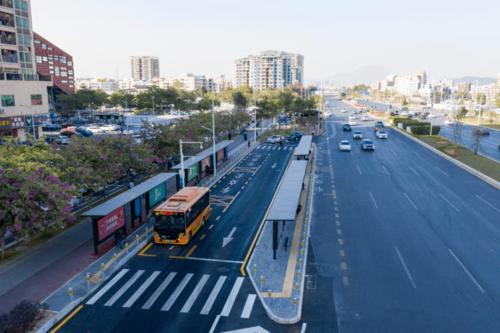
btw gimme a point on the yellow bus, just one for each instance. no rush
(179, 218)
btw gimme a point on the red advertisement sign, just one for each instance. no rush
(111, 223)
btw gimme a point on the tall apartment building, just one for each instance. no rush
(145, 68)
(24, 100)
(269, 70)
(498, 82)
(54, 64)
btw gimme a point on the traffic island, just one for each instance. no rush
(277, 265)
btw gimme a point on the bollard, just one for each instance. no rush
(71, 293)
(88, 278)
(261, 279)
(137, 238)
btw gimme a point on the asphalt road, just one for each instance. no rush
(202, 291)
(410, 242)
(488, 146)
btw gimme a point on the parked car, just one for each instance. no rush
(357, 135)
(63, 140)
(275, 139)
(344, 145)
(367, 145)
(485, 132)
(364, 118)
(295, 136)
(347, 128)
(382, 134)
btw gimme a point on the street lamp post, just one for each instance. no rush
(213, 133)
(182, 158)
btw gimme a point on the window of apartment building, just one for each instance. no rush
(39, 59)
(65, 74)
(21, 4)
(9, 56)
(70, 72)
(62, 59)
(51, 58)
(57, 71)
(7, 37)
(6, 3)
(22, 22)
(45, 59)
(56, 58)
(64, 81)
(36, 99)
(44, 46)
(37, 42)
(7, 100)
(70, 63)
(7, 19)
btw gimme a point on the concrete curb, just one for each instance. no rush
(465, 167)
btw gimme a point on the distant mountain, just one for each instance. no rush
(365, 74)
(482, 81)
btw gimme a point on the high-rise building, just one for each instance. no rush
(145, 68)
(269, 70)
(498, 81)
(24, 100)
(55, 64)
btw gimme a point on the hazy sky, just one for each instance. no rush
(448, 38)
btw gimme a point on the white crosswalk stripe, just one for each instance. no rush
(171, 300)
(194, 295)
(185, 292)
(108, 286)
(141, 289)
(124, 288)
(226, 310)
(247, 309)
(159, 290)
(213, 295)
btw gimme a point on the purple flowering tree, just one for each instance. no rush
(32, 201)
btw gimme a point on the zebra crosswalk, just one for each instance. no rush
(173, 291)
(274, 147)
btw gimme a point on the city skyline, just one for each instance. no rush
(443, 38)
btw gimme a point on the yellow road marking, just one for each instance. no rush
(191, 250)
(203, 236)
(143, 251)
(71, 315)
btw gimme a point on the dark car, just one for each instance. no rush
(347, 128)
(84, 131)
(367, 145)
(295, 136)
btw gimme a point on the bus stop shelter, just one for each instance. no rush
(284, 207)
(201, 165)
(129, 209)
(303, 149)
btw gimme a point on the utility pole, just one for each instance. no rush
(213, 133)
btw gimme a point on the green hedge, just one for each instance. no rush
(425, 129)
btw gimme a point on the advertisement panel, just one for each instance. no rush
(204, 164)
(193, 172)
(109, 224)
(220, 156)
(157, 194)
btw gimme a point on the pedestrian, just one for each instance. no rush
(248, 143)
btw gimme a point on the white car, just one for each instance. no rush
(449, 122)
(357, 135)
(364, 118)
(275, 139)
(352, 117)
(343, 111)
(344, 145)
(352, 123)
(381, 134)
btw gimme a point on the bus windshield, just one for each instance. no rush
(170, 225)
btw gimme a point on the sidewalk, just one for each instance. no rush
(280, 282)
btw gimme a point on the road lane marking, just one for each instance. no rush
(202, 237)
(410, 201)
(443, 172)
(143, 251)
(247, 309)
(108, 286)
(191, 250)
(467, 271)
(177, 292)
(405, 268)
(340, 240)
(392, 151)
(373, 200)
(210, 227)
(141, 289)
(343, 265)
(345, 281)
(149, 303)
(213, 295)
(303, 329)
(68, 318)
(385, 170)
(226, 310)
(214, 324)
(218, 218)
(207, 259)
(414, 171)
(489, 204)
(195, 294)
(359, 169)
(342, 253)
(449, 203)
(124, 288)
(339, 232)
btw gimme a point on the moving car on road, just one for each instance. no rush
(179, 218)
(367, 145)
(347, 128)
(344, 145)
(357, 135)
(382, 134)
(275, 139)
(295, 136)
